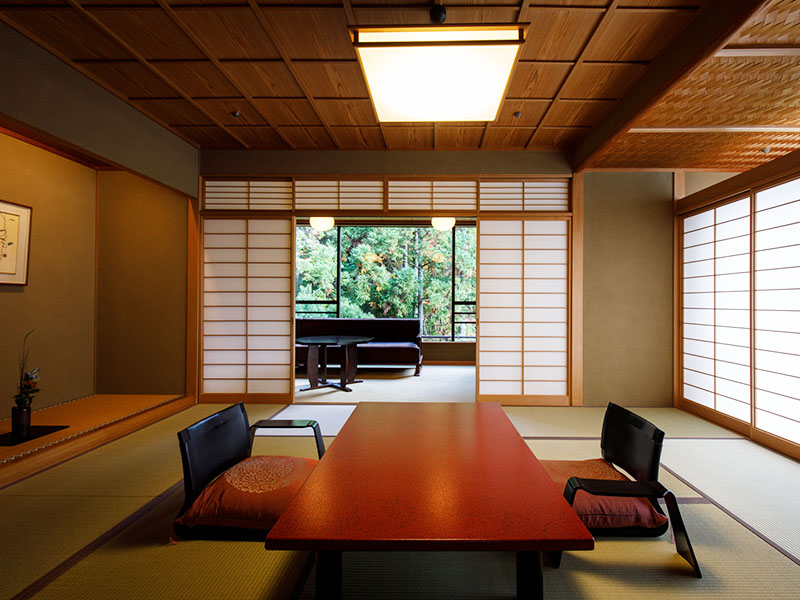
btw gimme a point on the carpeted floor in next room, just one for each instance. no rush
(97, 526)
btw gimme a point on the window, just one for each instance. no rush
(741, 342)
(389, 272)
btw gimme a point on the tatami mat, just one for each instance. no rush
(52, 515)
(436, 383)
(141, 563)
(587, 421)
(736, 565)
(754, 483)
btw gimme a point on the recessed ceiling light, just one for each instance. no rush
(438, 73)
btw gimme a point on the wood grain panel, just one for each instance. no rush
(149, 31)
(537, 80)
(289, 111)
(359, 138)
(532, 111)
(511, 138)
(68, 31)
(347, 112)
(197, 78)
(205, 136)
(175, 111)
(309, 138)
(571, 113)
(333, 79)
(603, 80)
(222, 110)
(557, 138)
(638, 35)
(229, 32)
(262, 137)
(263, 78)
(458, 138)
(409, 138)
(131, 78)
(557, 34)
(312, 33)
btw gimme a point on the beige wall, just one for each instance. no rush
(628, 289)
(699, 180)
(141, 286)
(58, 302)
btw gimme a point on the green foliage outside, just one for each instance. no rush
(387, 272)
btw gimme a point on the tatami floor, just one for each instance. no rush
(97, 526)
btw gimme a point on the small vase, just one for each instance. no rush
(20, 423)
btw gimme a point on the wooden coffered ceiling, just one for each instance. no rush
(615, 83)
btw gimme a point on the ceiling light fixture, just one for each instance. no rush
(443, 223)
(439, 72)
(321, 223)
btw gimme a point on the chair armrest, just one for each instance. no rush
(607, 487)
(290, 423)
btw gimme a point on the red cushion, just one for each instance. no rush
(251, 494)
(598, 512)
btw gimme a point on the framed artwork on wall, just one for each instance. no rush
(15, 237)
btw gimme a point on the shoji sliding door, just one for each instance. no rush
(741, 313)
(523, 274)
(777, 311)
(247, 309)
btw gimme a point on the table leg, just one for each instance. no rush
(344, 375)
(312, 366)
(530, 583)
(323, 364)
(329, 575)
(352, 362)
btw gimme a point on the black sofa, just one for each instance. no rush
(395, 341)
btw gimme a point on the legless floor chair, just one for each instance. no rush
(230, 494)
(609, 503)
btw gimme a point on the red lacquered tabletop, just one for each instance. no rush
(429, 476)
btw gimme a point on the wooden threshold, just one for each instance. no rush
(83, 432)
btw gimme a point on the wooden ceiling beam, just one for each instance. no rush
(146, 64)
(224, 70)
(351, 20)
(270, 33)
(601, 26)
(706, 34)
(77, 65)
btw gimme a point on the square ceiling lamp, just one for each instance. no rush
(438, 73)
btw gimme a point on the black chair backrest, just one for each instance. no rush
(631, 442)
(211, 446)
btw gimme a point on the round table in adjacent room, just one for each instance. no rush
(317, 361)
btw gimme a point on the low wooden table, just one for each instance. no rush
(429, 476)
(317, 361)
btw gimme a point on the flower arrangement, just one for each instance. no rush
(28, 380)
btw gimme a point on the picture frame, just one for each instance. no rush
(15, 238)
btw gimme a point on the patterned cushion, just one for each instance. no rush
(602, 512)
(251, 494)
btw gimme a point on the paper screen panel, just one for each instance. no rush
(547, 195)
(316, 195)
(523, 301)
(247, 306)
(500, 338)
(501, 195)
(716, 309)
(361, 195)
(455, 195)
(545, 305)
(244, 195)
(410, 195)
(777, 311)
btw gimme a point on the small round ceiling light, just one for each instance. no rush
(321, 223)
(438, 13)
(766, 150)
(443, 223)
